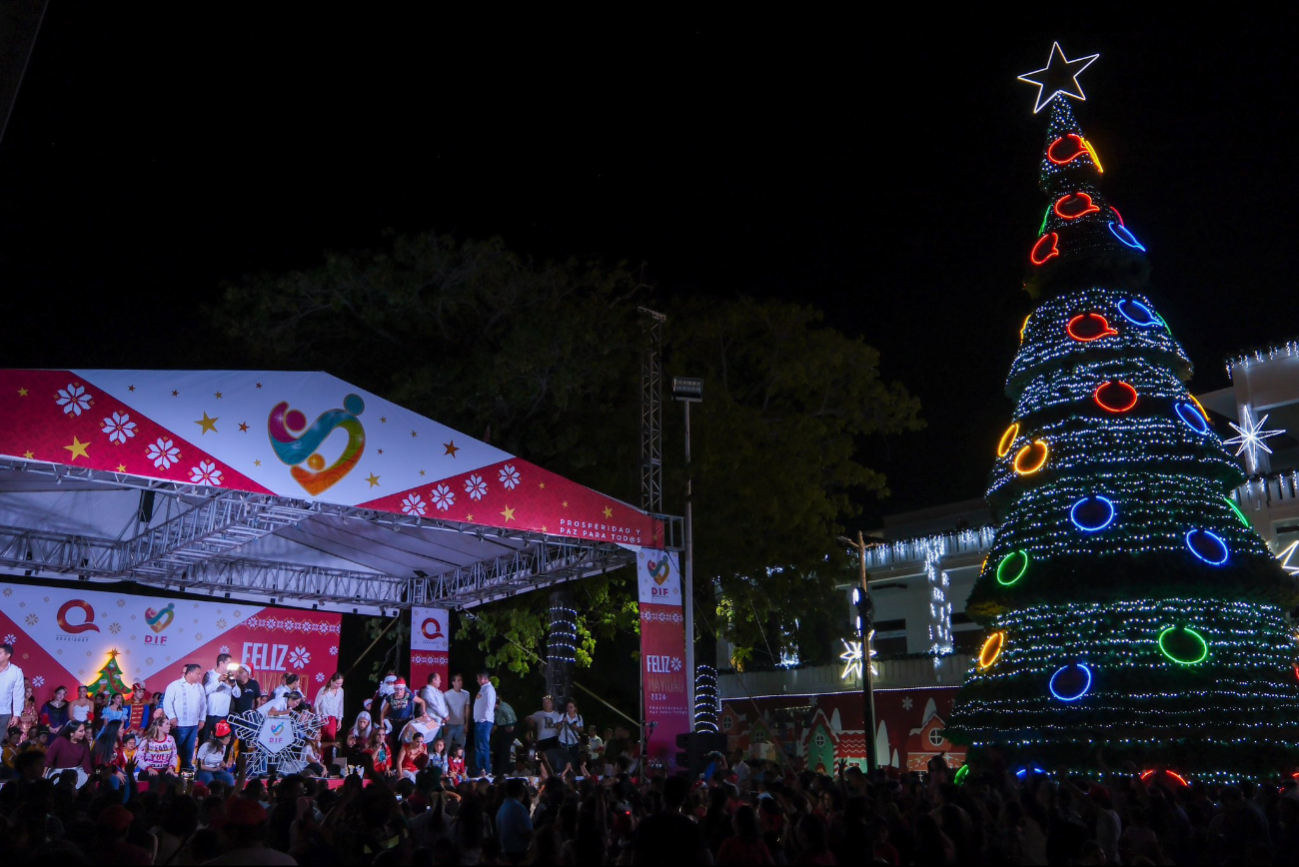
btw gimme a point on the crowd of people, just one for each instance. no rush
(96, 783)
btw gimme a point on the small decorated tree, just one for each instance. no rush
(110, 679)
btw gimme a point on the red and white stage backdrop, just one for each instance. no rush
(62, 636)
(662, 653)
(302, 435)
(430, 646)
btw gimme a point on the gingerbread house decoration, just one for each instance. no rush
(928, 741)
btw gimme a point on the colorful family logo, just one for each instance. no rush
(295, 443)
(160, 620)
(431, 629)
(87, 623)
(659, 570)
(276, 729)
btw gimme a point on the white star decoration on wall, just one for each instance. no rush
(1251, 437)
(852, 657)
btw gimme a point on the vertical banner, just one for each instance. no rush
(429, 646)
(662, 653)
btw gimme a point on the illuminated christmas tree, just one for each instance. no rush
(110, 678)
(1128, 602)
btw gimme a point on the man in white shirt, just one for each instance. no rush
(221, 690)
(435, 705)
(484, 717)
(11, 687)
(185, 704)
(457, 700)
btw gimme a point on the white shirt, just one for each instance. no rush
(485, 703)
(11, 690)
(279, 703)
(210, 757)
(436, 703)
(416, 727)
(329, 702)
(185, 702)
(570, 732)
(219, 693)
(547, 723)
(457, 704)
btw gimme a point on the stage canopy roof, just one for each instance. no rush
(293, 487)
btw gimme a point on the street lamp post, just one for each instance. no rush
(689, 390)
(861, 598)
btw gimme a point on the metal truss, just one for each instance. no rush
(215, 527)
(651, 412)
(282, 581)
(62, 553)
(540, 565)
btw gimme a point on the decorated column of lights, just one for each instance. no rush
(707, 704)
(561, 643)
(1127, 600)
(940, 609)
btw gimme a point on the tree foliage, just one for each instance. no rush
(543, 360)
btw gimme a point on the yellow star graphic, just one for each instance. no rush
(78, 449)
(27, 455)
(566, 504)
(542, 486)
(207, 423)
(218, 395)
(257, 463)
(412, 433)
(421, 472)
(121, 468)
(508, 514)
(451, 448)
(608, 512)
(243, 426)
(373, 480)
(469, 517)
(543, 528)
(22, 392)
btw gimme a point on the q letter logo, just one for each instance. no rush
(87, 623)
(431, 628)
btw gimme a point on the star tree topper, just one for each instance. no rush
(1058, 77)
(1251, 437)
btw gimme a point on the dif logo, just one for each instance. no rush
(158, 621)
(659, 571)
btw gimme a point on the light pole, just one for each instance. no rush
(861, 598)
(689, 390)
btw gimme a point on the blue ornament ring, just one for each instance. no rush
(1092, 514)
(1086, 687)
(1208, 546)
(1138, 313)
(1122, 233)
(1191, 417)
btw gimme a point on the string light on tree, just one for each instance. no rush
(1251, 436)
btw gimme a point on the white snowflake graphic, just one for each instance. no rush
(907, 702)
(163, 453)
(221, 624)
(320, 677)
(509, 477)
(225, 648)
(114, 628)
(676, 663)
(119, 428)
(9, 591)
(32, 620)
(475, 487)
(443, 497)
(333, 650)
(299, 657)
(10, 638)
(206, 473)
(74, 399)
(414, 505)
(38, 681)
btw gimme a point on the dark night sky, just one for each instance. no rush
(887, 178)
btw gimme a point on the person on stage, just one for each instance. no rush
(219, 685)
(288, 683)
(484, 719)
(55, 711)
(570, 733)
(546, 723)
(408, 764)
(435, 704)
(156, 755)
(83, 709)
(400, 707)
(329, 707)
(71, 749)
(185, 706)
(107, 752)
(283, 705)
(215, 758)
(358, 737)
(138, 708)
(245, 691)
(458, 713)
(13, 689)
(116, 710)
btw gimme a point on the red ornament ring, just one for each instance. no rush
(1070, 202)
(1115, 396)
(1086, 327)
(1045, 248)
(1076, 141)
